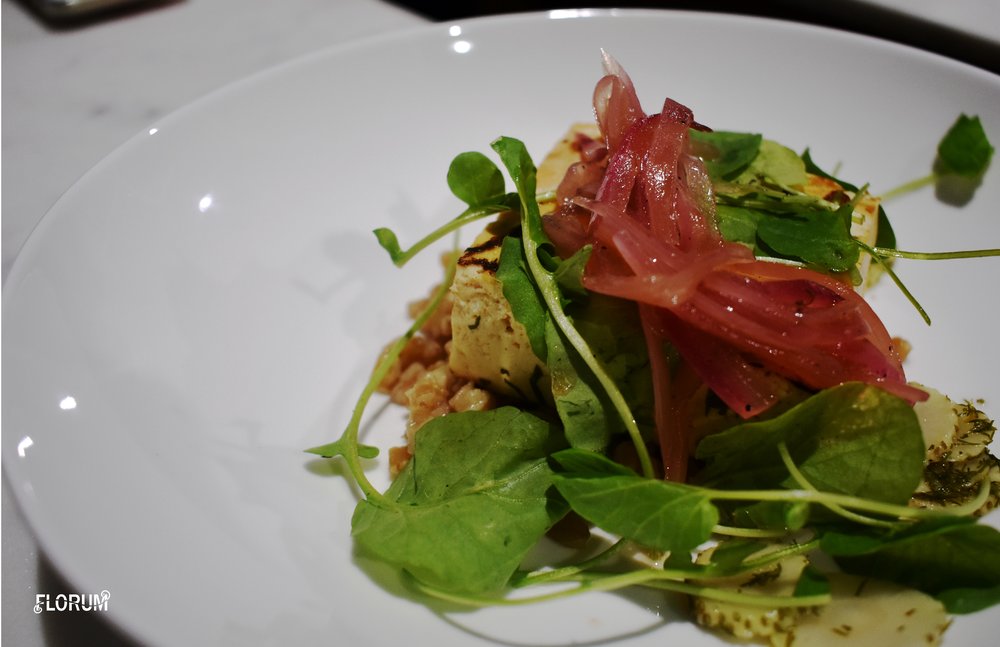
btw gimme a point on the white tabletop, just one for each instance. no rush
(72, 95)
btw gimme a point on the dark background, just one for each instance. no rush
(849, 15)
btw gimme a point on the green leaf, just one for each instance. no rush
(773, 515)
(885, 237)
(852, 439)
(611, 329)
(738, 224)
(389, 242)
(813, 168)
(955, 560)
(475, 179)
(588, 419)
(811, 583)
(470, 504)
(522, 172)
(569, 275)
(776, 163)
(521, 292)
(969, 600)
(729, 556)
(727, 153)
(820, 238)
(658, 514)
(964, 154)
(965, 149)
(341, 447)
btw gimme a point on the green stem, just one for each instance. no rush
(470, 215)
(655, 578)
(350, 436)
(873, 252)
(907, 187)
(825, 498)
(748, 533)
(778, 555)
(402, 257)
(885, 252)
(567, 572)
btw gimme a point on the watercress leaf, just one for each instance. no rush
(612, 331)
(521, 292)
(965, 150)
(658, 514)
(813, 168)
(885, 237)
(848, 541)
(728, 557)
(957, 561)
(811, 582)
(964, 154)
(588, 419)
(569, 274)
(969, 600)
(471, 503)
(776, 163)
(587, 464)
(389, 242)
(738, 224)
(475, 179)
(726, 153)
(773, 515)
(820, 238)
(522, 172)
(341, 447)
(853, 439)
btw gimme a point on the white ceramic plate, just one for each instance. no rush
(207, 302)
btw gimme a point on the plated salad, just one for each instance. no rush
(658, 358)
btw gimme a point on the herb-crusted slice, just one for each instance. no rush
(862, 612)
(959, 463)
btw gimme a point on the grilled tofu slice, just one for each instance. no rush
(489, 346)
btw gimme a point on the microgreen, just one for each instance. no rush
(963, 156)
(475, 180)
(476, 489)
